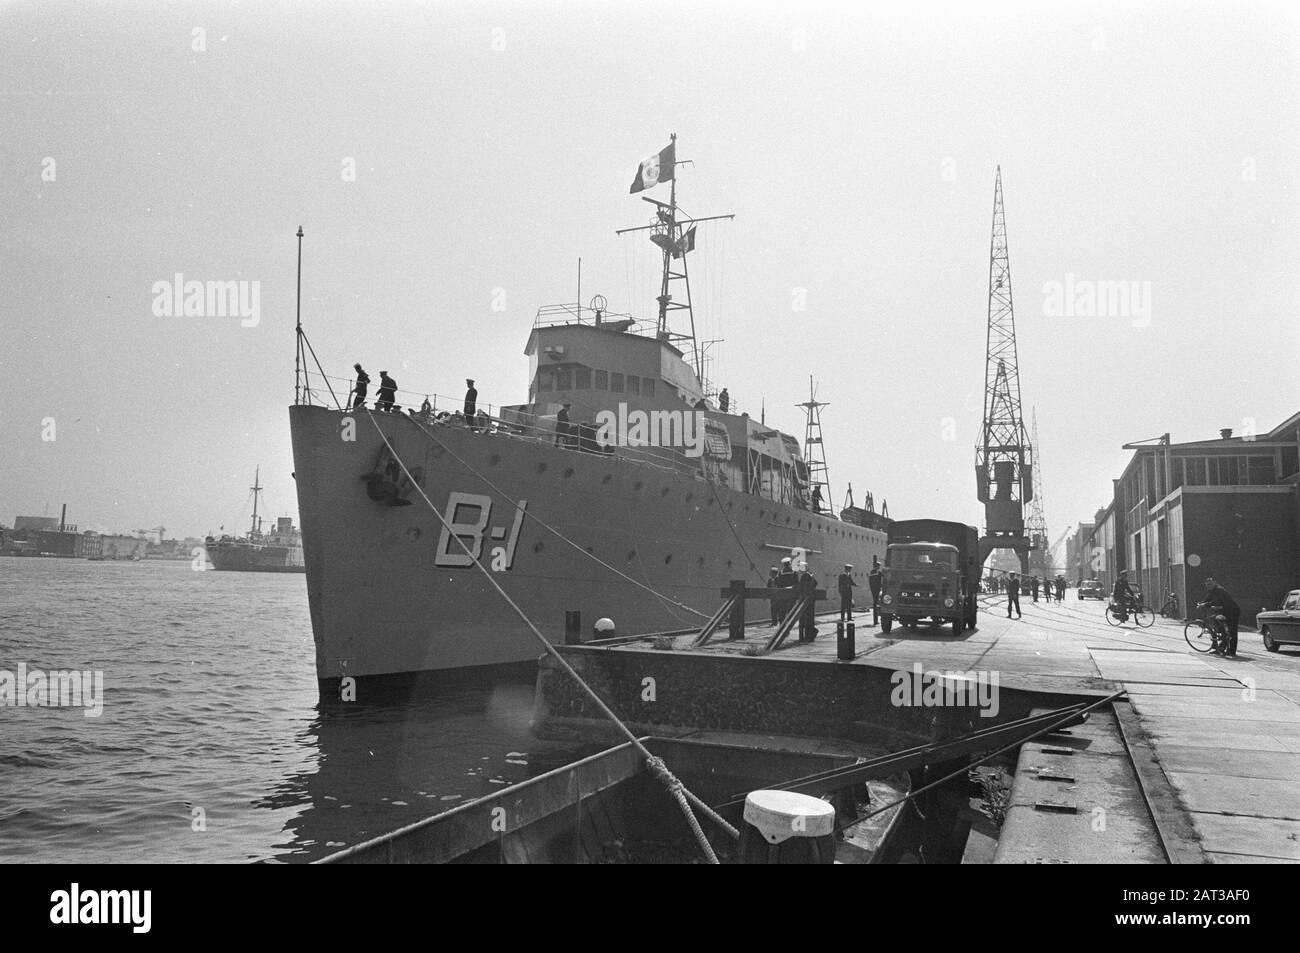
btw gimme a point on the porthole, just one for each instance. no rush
(638, 486)
(668, 559)
(631, 555)
(568, 472)
(664, 491)
(608, 477)
(538, 547)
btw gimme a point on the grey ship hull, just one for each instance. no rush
(385, 601)
(242, 557)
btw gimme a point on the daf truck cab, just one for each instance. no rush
(931, 574)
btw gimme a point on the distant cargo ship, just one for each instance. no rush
(279, 550)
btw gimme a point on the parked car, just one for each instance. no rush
(1281, 626)
(1092, 589)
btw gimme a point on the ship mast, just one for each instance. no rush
(675, 240)
(257, 489)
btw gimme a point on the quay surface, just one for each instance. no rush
(1213, 745)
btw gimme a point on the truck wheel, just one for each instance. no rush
(886, 623)
(1268, 639)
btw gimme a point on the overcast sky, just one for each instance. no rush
(493, 146)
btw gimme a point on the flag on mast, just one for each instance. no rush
(658, 168)
(685, 243)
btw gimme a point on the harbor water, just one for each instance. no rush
(212, 746)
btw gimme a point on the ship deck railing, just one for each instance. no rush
(497, 420)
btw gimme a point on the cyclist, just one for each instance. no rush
(1122, 596)
(1217, 596)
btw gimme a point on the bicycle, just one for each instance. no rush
(1171, 609)
(1118, 615)
(1206, 635)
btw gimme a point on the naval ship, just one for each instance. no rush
(276, 550)
(622, 490)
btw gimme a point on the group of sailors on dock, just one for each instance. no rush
(801, 583)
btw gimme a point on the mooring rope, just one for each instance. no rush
(556, 532)
(732, 526)
(654, 764)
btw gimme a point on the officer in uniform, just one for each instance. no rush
(806, 586)
(786, 580)
(875, 579)
(774, 582)
(846, 585)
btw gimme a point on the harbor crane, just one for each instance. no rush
(1004, 458)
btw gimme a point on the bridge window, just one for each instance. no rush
(544, 380)
(600, 380)
(616, 382)
(563, 378)
(648, 386)
(634, 385)
(582, 377)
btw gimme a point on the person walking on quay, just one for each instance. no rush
(774, 603)
(1013, 594)
(1060, 588)
(875, 580)
(846, 585)
(1217, 598)
(359, 391)
(387, 391)
(1033, 587)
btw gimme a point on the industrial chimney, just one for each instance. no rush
(63, 518)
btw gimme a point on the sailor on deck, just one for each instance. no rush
(359, 392)
(387, 391)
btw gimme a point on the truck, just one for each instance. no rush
(932, 572)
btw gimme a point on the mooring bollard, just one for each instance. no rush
(846, 642)
(784, 827)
